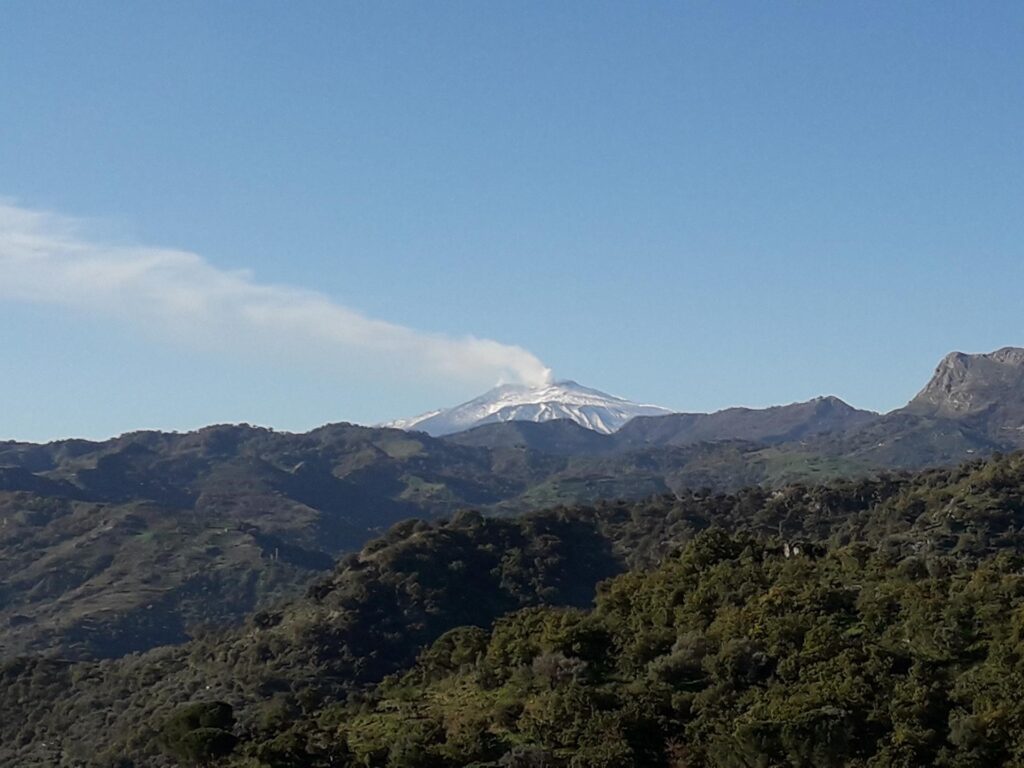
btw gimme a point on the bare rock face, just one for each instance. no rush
(964, 385)
(985, 390)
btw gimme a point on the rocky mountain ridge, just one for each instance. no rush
(986, 391)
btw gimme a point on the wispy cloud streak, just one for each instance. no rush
(46, 258)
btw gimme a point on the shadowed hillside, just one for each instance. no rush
(301, 678)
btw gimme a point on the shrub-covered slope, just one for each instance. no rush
(886, 635)
(114, 547)
(730, 654)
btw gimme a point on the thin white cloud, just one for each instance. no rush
(45, 258)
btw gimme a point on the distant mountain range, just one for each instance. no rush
(973, 403)
(779, 424)
(982, 393)
(115, 546)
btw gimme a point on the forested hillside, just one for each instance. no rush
(113, 547)
(120, 546)
(857, 622)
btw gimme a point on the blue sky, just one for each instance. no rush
(692, 204)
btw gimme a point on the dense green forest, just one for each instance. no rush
(727, 654)
(868, 622)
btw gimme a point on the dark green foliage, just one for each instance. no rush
(199, 733)
(730, 654)
(863, 623)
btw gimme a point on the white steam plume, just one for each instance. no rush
(44, 258)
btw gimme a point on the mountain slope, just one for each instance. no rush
(587, 407)
(965, 385)
(778, 424)
(972, 406)
(767, 426)
(117, 546)
(113, 547)
(289, 672)
(985, 392)
(561, 437)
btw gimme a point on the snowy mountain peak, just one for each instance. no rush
(566, 399)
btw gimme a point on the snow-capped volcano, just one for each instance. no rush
(516, 402)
